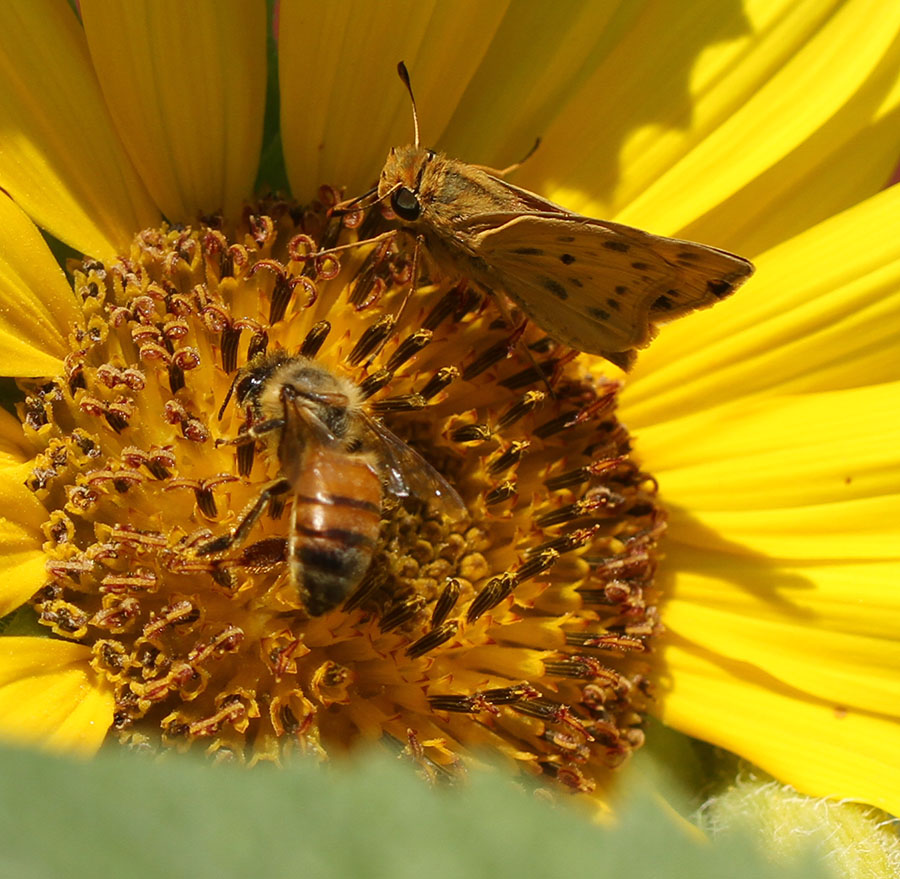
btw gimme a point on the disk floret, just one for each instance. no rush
(516, 624)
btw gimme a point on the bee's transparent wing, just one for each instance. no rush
(408, 474)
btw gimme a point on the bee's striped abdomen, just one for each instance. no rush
(335, 523)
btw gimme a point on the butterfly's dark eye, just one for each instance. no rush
(406, 204)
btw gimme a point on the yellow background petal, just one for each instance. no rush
(743, 123)
(14, 449)
(60, 158)
(779, 452)
(39, 307)
(22, 562)
(863, 528)
(793, 637)
(342, 103)
(817, 745)
(49, 696)
(822, 312)
(187, 96)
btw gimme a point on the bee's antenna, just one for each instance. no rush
(404, 75)
(228, 395)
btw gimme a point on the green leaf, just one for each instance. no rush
(271, 175)
(130, 816)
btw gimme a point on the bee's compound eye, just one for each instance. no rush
(248, 386)
(406, 204)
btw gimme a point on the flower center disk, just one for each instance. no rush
(519, 626)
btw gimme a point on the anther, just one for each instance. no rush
(433, 639)
(315, 338)
(500, 493)
(491, 595)
(446, 602)
(410, 346)
(401, 612)
(494, 354)
(373, 383)
(400, 403)
(471, 433)
(443, 377)
(371, 340)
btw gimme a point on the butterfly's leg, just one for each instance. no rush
(349, 204)
(359, 243)
(413, 277)
(413, 283)
(502, 172)
(519, 331)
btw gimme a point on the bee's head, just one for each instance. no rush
(401, 180)
(325, 402)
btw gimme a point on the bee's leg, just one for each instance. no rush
(502, 172)
(248, 520)
(252, 434)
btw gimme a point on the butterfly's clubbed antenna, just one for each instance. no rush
(404, 75)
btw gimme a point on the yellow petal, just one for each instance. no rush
(187, 101)
(61, 159)
(862, 528)
(24, 567)
(779, 452)
(13, 448)
(39, 307)
(822, 312)
(515, 96)
(342, 104)
(745, 122)
(794, 637)
(22, 562)
(50, 697)
(818, 746)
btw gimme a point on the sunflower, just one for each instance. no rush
(768, 424)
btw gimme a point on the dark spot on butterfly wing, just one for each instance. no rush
(688, 255)
(615, 244)
(640, 266)
(566, 239)
(614, 304)
(663, 303)
(555, 287)
(528, 251)
(620, 290)
(719, 289)
(599, 313)
(567, 258)
(576, 282)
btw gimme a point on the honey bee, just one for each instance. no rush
(335, 462)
